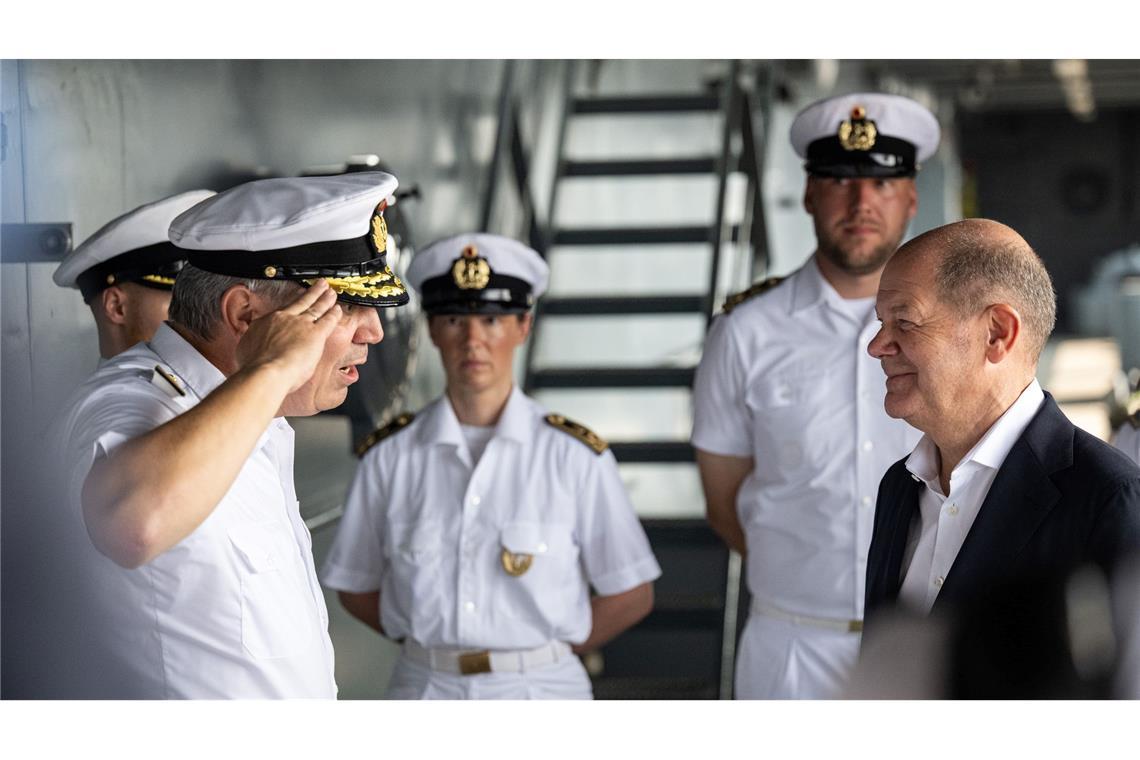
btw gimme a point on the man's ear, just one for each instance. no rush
(1003, 331)
(809, 195)
(113, 301)
(239, 309)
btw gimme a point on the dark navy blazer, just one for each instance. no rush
(1061, 498)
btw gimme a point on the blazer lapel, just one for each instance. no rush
(1020, 497)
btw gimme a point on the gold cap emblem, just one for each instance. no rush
(515, 564)
(859, 132)
(471, 271)
(271, 271)
(380, 229)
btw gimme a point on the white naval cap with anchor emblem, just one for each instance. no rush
(478, 273)
(302, 229)
(129, 248)
(865, 134)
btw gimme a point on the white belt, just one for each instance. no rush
(767, 610)
(472, 662)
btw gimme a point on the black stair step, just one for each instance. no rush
(646, 104)
(641, 452)
(652, 687)
(608, 377)
(625, 305)
(625, 168)
(633, 235)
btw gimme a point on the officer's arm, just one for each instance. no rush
(154, 490)
(721, 477)
(614, 614)
(364, 607)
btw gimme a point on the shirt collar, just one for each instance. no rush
(810, 287)
(442, 426)
(993, 447)
(199, 374)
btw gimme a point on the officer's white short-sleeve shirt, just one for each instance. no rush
(232, 610)
(785, 379)
(426, 528)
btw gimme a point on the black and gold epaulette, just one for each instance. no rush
(579, 431)
(736, 299)
(383, 432)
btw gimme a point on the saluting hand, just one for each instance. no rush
(292, 339)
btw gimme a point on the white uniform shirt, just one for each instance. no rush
(786, 380)
(232, 610)
(1127, 439)
(938, 532)
(426, 528)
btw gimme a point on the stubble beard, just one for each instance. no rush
(855, 262)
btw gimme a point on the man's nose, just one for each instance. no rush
(368, 326)
(881, 345)
(861, 193)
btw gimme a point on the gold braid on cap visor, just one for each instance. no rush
(382, 284)
(158, 279)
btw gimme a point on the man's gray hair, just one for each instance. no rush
(196, 303)
(977, 270)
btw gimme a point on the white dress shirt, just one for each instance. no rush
(786, 380)
(938, 532)
(232, 610)
(426, 527)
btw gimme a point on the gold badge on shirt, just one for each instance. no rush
(515, 564)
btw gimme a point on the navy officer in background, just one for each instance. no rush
(475, 529)
(125, 271)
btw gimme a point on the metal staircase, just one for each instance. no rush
(685, 647)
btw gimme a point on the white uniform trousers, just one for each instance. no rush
(779, 659)
(565, 679)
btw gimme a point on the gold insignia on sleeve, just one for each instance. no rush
(579, 431)
(859, 132)
(383, 432)
(471, 271)
(736, 299)
(515, 564)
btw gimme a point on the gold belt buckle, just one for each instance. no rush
(472, 663)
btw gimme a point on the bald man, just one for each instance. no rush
(1001, 487)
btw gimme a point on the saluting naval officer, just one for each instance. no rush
(474, 530)
(789, 428)
(126, 270)
(180, 461)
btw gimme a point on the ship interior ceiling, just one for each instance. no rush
(653, 188)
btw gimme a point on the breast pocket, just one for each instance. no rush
(277, 613)
(415, 557)
(786, 411)
(538, 573)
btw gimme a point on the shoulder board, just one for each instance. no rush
(736, 299)
(166, 380)
(380, 433)
(579, 431)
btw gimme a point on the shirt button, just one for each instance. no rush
(937, 582)
(867, 445)
(475, 500)
(953, 510)
(469, 606)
